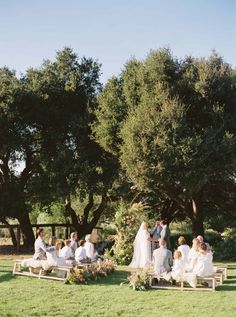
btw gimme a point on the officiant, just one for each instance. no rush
(155, 235)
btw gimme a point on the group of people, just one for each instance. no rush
(153, 249)
(69, 252)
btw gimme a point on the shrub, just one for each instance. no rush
(127, 220)
(226, 248)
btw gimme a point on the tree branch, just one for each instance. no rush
(88, 207)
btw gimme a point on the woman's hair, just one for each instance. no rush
(39, 231)
(181, 240)
(203, 246)
(58, 244)
(81, 243)
(177, 255)
(52, 240)
(67, 242)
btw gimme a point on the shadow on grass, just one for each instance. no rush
(226, 288)
(6, 277)
(231, 280)
(113, 279)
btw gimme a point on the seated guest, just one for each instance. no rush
(80, 253)
(178, 266)
(201, 240)
(66, 252)
(53, 257)
(183, 248)
(40, 247)
(203, 266)
(89, 247)
(73, 239)
(193, 255)
(162, 258)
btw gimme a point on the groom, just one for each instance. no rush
(155, 235)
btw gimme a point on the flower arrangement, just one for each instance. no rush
(138, 280)
(91, 272)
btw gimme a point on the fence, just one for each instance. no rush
(67, 229)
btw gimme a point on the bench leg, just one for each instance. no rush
(14, 269)
(40, 273)
(213, 285)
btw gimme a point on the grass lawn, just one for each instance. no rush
(23, 296)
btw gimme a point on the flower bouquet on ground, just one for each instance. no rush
(91, 272)
(138, 280)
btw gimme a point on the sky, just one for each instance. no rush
(112, 31)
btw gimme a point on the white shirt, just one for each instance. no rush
(184, 249)
(66, 253)
(80, 254)
(89, 248)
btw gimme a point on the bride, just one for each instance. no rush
(142, 248)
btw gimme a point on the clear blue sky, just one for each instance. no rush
(114, 30)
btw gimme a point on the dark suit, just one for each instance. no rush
(165, 235)
(155, 234)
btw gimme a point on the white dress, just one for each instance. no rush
(177, 271)
(192, 259)
(204, 266)
(53, 259)
(184, 249)
(142, 249)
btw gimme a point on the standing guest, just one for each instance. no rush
(165, 233)
(201, 240)
(162, 258)
(40, 247)
(89, 247)
(73, 239)
(66, 252)
(80, 253)
(183, 248)
(155, 235)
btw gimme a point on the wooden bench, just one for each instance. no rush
(224, 270)
(183, 286)
(219, 277)
(40, 273)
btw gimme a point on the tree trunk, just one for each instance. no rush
(197, 220)
(11, 231)
(26, 229)
(83, 226)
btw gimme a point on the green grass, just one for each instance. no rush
(23, 296)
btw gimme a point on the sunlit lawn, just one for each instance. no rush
(23, 296)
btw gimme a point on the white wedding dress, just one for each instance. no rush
(142, 249)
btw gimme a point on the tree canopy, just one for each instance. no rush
(177, 138)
